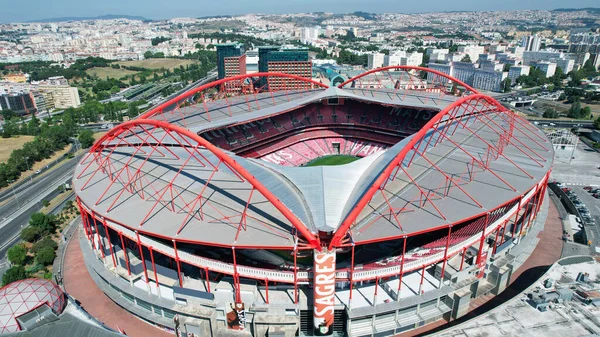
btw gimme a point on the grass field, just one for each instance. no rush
(99, 135)
(157, 63)
(332, 160)
(36, 166)
(7, 145)
(104, 72)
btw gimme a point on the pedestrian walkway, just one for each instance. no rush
(79, 284)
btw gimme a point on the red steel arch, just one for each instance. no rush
(221, 83)
(414, 144)
(429, 70)
(313, 240)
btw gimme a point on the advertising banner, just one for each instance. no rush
(236, 318)
(324, 292)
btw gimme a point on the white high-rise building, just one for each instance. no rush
(515, 71)
(412, 59)
(309, 34)
(393, 59)
(531, 43)
(437, 54)
(565, 64)
(375, 60)
(548, 68)
(535, 56)
(472, 51)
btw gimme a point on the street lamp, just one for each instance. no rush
(26, 163)
(12, 188)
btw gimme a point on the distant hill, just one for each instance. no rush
(102, 17)
(587, 9)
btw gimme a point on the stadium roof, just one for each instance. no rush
(484, 162)
(235, 110)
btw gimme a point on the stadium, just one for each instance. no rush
(282, 206)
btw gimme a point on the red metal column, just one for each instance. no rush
(83, 214)
(139, 243)
(100, 244)
(401, 268)
(516, 218)
(124, 248)
(154, 267)
(445, 255)
(462, 261)
(496, 241)
(482, 240)
(422, 278)
(533, 210)
(527, 212)
(236, 279)
(267, 290)
(295, 274)
(351, 273)
(110, 246)
(207, 278)
(504, 231)
(178, 265)
(376, 291)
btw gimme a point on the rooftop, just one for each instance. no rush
(456, 168)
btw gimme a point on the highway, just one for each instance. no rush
(21, 186)
(14, 213)
(564, 123)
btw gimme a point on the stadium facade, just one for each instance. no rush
(202, 214)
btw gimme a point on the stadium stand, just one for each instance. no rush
(394, 123)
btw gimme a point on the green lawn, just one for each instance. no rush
(332, 160)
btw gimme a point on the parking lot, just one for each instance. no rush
(589, 211)
(579, 167)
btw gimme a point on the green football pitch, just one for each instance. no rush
(332, 160)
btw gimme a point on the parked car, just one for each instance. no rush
(588, 188)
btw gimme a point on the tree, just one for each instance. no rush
(466, 58)
(506, 84)
(586, 112)
(13, 274)
(17, 254)
(86, 138)
(31, 233)
(550, 113)
(597, 123)
(33, 127)
(133, 111)
(8, 114)
(45, 256)
(46, 223)
(10, 127)
(45, 242)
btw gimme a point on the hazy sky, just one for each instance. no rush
(25, 10)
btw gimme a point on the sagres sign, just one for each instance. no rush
(324, 295)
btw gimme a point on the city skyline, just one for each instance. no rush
(155, 9)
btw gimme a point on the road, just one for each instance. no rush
(16, 213)
(564, 123)
(19, 187)
(26, 198)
